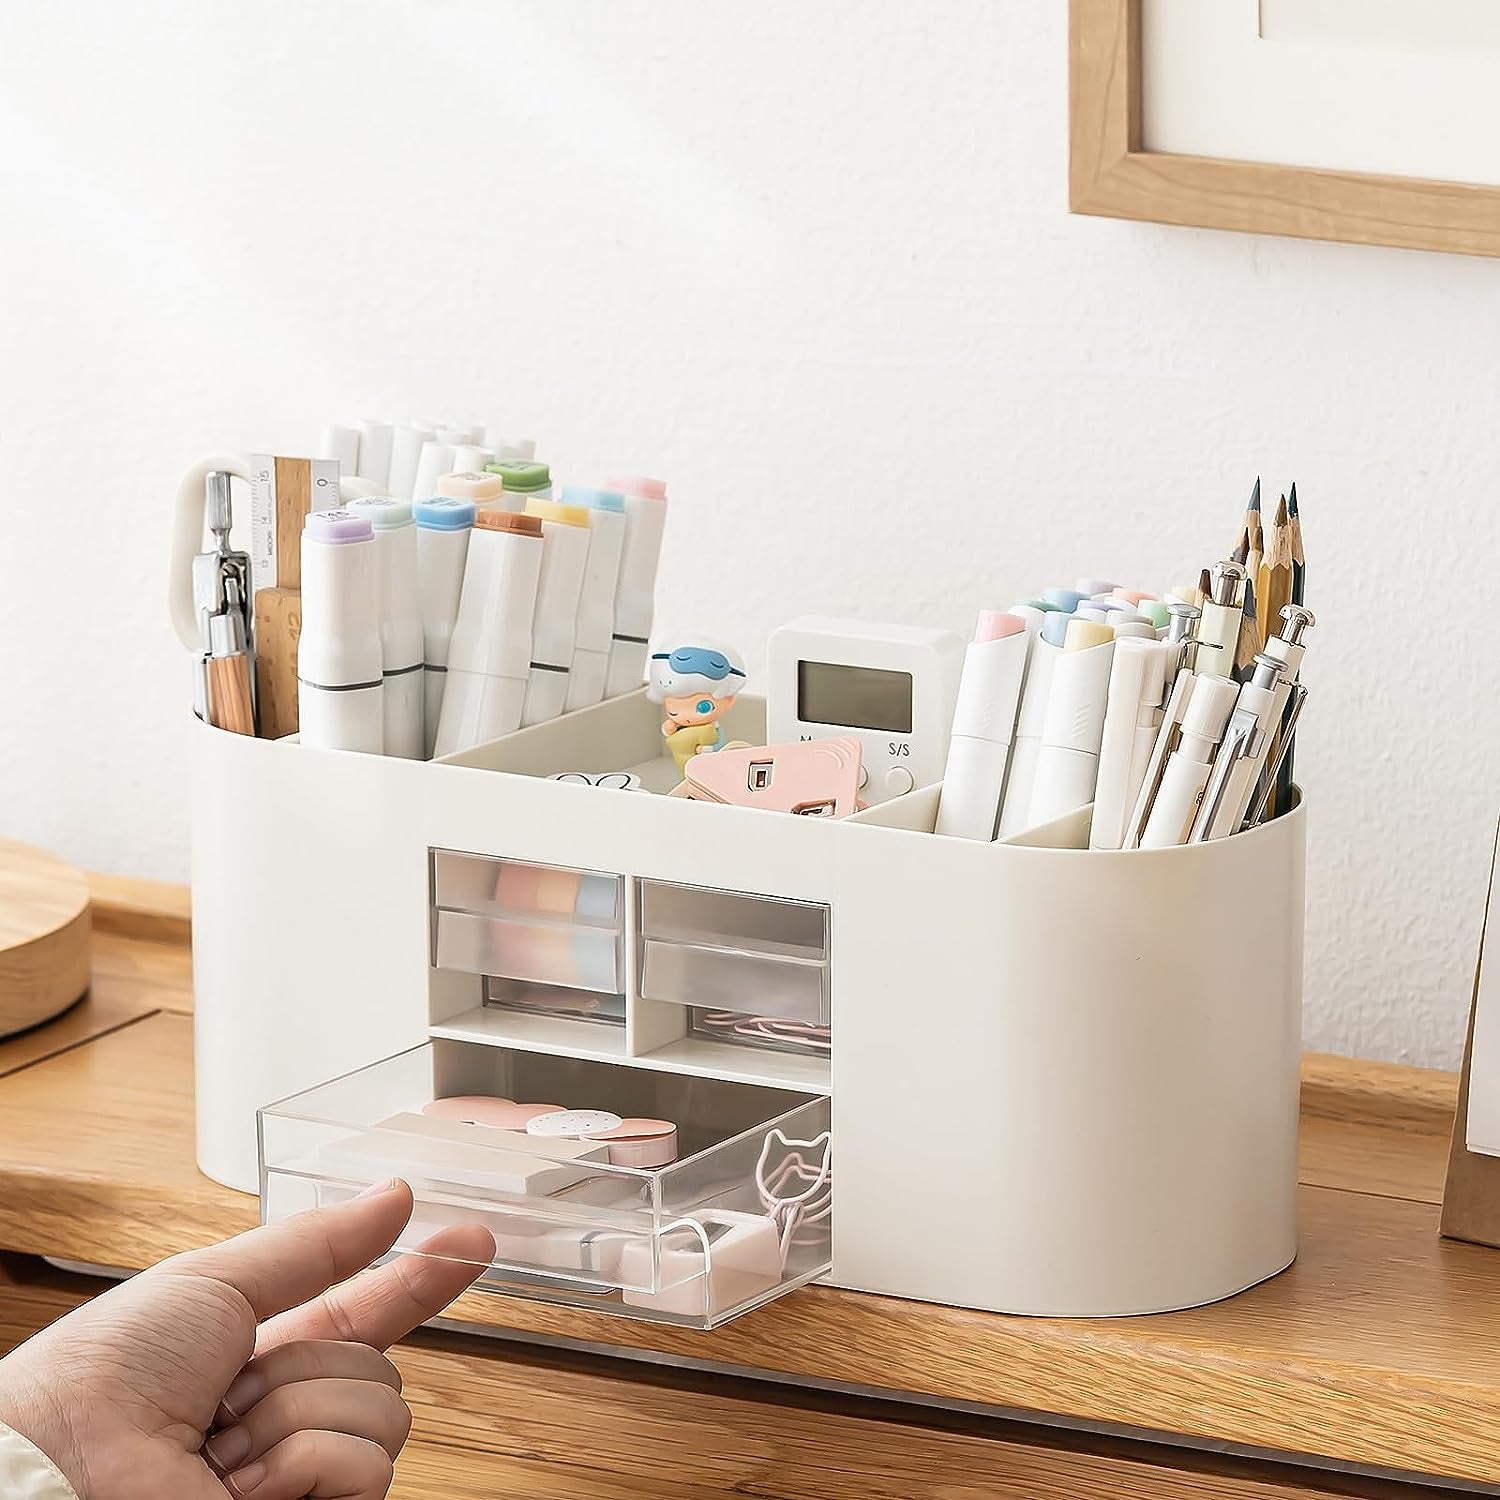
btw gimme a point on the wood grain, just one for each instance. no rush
(495, 1421)
(278, 629)
(1111, 175)
(1380, 1346)
(152, 909)
(1349, 1354)
(293, 505)
(44, 936)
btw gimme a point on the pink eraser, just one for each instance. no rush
(995, 625)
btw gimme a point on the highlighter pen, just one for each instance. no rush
(554, 629)
(596, 607)
(1132, 716)
(524, 480)
(400, 621)
(1065, 600)
(483, 491)
(1132, 630)
(435, 460)
(1219, 629)
(341, 443)
(489, 653)
(1187, 768)
(375, 453)
(635, 595)
(443, 526)
(1067, 764)
(1046, 649)
(340, 660)
(984, 722)
(470, 458)
(407, 441)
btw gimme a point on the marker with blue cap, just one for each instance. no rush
(443, 527)
(596, 605)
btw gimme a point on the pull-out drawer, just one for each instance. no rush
(742, 1215)
(714, 950)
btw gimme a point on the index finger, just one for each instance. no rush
(384, 1304)
(284, 1265)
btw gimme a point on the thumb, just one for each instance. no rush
(284, 1265)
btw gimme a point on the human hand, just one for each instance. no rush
(258, 1333)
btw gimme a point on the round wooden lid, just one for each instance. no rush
(44, 936)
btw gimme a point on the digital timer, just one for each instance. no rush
(892, 687)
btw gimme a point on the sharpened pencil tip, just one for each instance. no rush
(1242, 548)
(1205, 584)
(1255, 494)
(1281, 511)
(1291, 503)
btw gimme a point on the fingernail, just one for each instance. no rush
(227, 1450)
(377, 1188)
(247, 1481)
(249, 1387)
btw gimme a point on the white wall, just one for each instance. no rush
(812, 262)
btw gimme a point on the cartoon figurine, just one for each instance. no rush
(697, 685)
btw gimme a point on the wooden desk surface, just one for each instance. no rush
(1379, 1348)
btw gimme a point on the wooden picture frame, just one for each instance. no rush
(1111, 175)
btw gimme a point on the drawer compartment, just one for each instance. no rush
(549, 953)
(708, 918)
(488, 886)
(765, 981)
(742, 1215)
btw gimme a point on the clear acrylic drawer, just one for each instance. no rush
(742, 1215)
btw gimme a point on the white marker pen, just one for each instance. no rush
(1067, 765)
(1046, 650)
(470, 458)
(400, 620)
(407, 441)
(489, 654)
(443, 527)
(635, 595)
(984, 721)
(339, 657)
(554, 630)
(523, 482)
(435, 460)
(375, 453)
(596, 608)
(483, 491)
(341, 443)
(1137, 689)
(1186, 772)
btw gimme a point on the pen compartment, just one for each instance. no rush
(742, 1214)
(1063, 1081)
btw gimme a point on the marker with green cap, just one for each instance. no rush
(523, 482)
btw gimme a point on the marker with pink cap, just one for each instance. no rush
(635, 591)
(984, 723)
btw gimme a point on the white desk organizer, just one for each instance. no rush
(1059, 1082)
